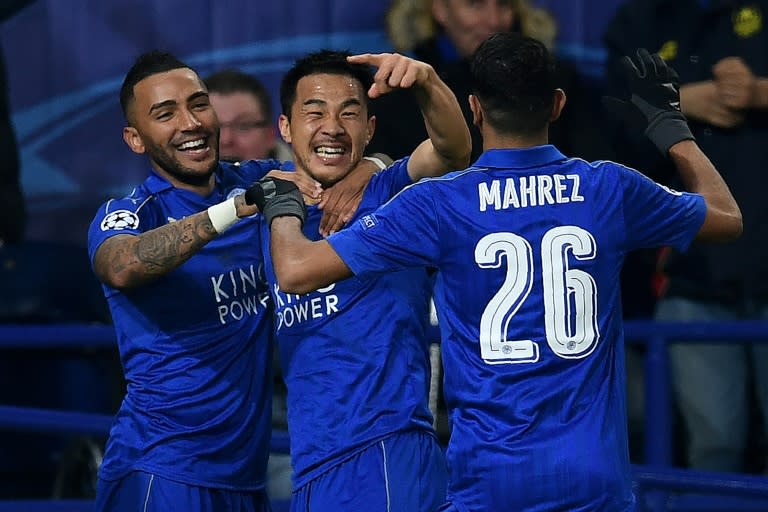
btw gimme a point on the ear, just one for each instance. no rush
(477, 111)
(285, 128)
(133, 139)
(371, 129)
(557, 105)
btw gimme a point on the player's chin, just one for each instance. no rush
(329, 175)
(199, 164)
(200, 170)
(325, 170)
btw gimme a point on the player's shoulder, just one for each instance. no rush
(138, 198)
(248, 171)
(596, 167)
(125, 212)
(455, 177)
(396, 167)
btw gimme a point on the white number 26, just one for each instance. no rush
(570, 295)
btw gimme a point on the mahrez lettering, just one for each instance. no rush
(238, 293)
(527, 191)
(294, 309)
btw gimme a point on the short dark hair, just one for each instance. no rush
(231, 81)
(146, 64)
(513, 77)
(323, 61)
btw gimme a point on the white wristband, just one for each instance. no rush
(223, 215)
(377, 161)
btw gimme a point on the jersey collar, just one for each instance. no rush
(520, 158)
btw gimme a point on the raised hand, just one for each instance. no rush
(394, 71)
(655, 96)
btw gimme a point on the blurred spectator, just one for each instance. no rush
(445, 33)
(720, 50)
(244, 108)
(12, 210)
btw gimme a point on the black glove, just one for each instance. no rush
(276, 198)
(655, 101)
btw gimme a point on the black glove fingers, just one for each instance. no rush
(630, 70)
(276, 198)
(255, 195)
(284, 186)
(661, 68)
(647, 63)
(672, 76)
(655, 101)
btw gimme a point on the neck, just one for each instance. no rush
(307, 176)
(495, 140)
(202, 186)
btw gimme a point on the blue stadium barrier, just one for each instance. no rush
(683, 490)
(659, 487)
(658, 404)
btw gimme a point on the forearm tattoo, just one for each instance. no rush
(133, 261)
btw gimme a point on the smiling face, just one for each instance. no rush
(329, 126)
(171, 119)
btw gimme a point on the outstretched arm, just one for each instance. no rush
(449, 144)
(129, 261)
(302, 266)
(723, 221)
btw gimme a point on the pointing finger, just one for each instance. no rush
(366, 58)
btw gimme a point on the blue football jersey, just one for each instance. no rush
(195, 345)
(354, 355)
(529, 245)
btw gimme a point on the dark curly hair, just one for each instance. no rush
(513, 77)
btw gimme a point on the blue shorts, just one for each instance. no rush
(145, 492)
(404, 472)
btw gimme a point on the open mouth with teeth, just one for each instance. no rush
(330, 154)
(195, 148)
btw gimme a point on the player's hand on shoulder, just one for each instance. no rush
(394, 71)
(275, 197)
(306, 185)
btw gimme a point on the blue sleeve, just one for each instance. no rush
(254, 170)
(655, 215)
(385, 184)
(401, 234)
(119, 217)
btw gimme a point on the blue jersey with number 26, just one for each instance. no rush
(529, 246)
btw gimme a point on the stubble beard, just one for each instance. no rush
(173, 167)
